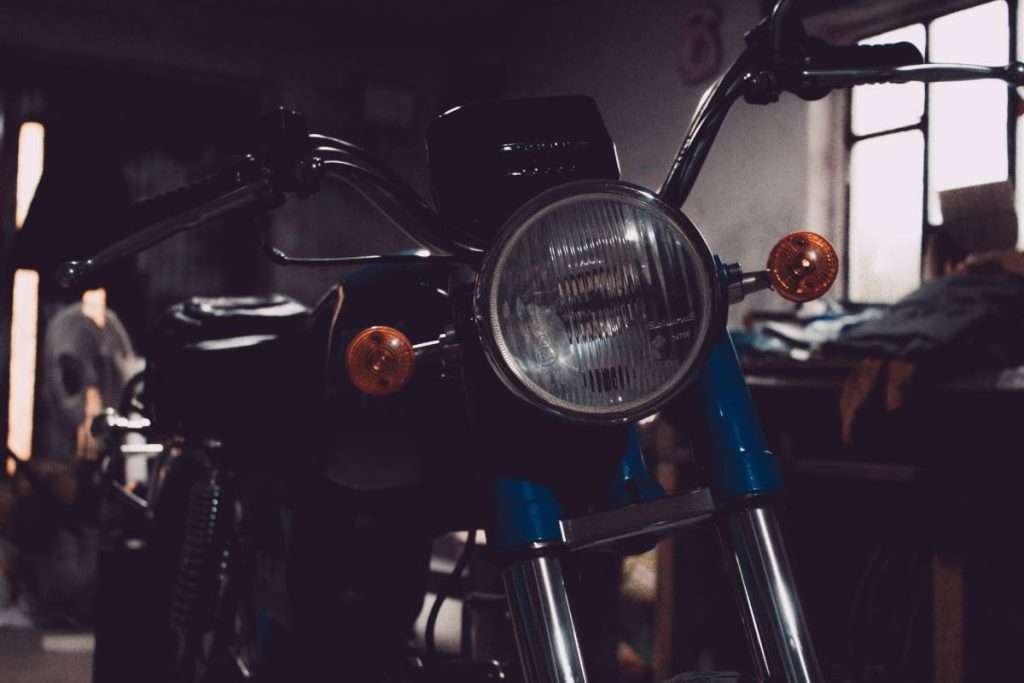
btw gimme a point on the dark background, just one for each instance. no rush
(138, 97)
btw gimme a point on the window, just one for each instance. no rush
(25, 303)
(909, 142)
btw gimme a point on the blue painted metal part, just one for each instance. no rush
(525, 512)
(635, 483)
(264, 633)
(741, 464)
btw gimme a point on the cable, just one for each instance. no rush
(445, 590)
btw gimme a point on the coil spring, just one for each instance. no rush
(203, 560)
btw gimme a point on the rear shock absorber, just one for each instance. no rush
(202, 574)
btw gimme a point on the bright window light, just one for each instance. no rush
(886, 189)
(978, 35)
(25, 302)
(24, 321)
(952, 134)
(1019, 186)
(30, 168)
(967, 121)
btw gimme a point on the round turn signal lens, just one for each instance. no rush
(380, 360)
(803, 266)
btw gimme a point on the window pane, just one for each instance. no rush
(876, 108)
(979, 35)
(1019, 177)
(886, 192)
(30, 168)
(21, 400)
(967, 121)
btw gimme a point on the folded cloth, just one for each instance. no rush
(860, 385)
(801, 332)
(960, 322)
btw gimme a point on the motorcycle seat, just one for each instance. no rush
(201, 319)
(228, 367)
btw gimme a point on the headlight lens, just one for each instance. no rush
(597, 301)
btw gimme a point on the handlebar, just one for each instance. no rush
(779, 57)
(154, 220)
(289, 161)
(808, 68)
(704, 127)
(776, 24)
(923, 73)
(867, 56)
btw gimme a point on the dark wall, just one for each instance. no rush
(629, 57)
(139, 98)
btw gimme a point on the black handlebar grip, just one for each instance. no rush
(152, 220)
(868, 56)
(818, 55)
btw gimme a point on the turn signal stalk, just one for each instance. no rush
(802, 266)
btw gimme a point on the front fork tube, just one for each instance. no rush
(779, 642)
(526, 523)
(542, 619)
(743, 472)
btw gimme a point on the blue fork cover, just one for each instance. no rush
(635, 483)
(525, 512)
(741, 464)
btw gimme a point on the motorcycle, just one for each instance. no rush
(200, 522)
(551, 307)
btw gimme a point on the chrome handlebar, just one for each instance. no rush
(761, 83)
(704, 127)
(75, 273)
(776, 21)
(263, 183)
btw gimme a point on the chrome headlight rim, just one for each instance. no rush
(714, 320)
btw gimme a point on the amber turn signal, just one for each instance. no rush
(803, 266)
(380, 360)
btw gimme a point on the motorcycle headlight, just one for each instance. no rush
(598, 301)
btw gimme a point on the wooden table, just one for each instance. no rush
(931, 475)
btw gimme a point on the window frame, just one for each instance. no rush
(849, 138)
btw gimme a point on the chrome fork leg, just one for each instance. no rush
(544, 628)
(774, 621)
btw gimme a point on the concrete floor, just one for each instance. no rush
(31, 656)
